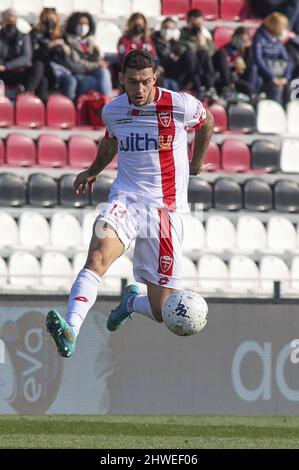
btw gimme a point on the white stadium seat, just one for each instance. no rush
(34, 230)
(289, 158)
(111, 281)
(194, 235)
(220, 233)
(79, 261)
(294, 287)
(251, 234)
(23, 270)
(293, 117)
(281, 234)
(272, 268)
(189, 277)
(64, 7)
(271, 118)
(87, 225)
(56, 271)
(94, 7)
(148, 8)
(107, 36)
(3, 272)
(212, 274)
(117, 7)
(24, 8)
(243, 274)
(65, 231)
(6, 4)
(9, 232)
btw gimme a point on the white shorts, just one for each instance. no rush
(158, 234)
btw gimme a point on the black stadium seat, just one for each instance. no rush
(257, 195)
(227, 194)
(67, 195)
(101, 190)
(200, 191)
(265, 155)
(241, 117)
(42, 191)
(12, 190)
(286, 196)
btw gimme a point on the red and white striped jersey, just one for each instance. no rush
(153, 165)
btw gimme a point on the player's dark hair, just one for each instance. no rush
(194, 13)
(138, 60)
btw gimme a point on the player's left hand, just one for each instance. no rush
(196, 169)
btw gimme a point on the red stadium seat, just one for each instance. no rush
(61, 112)
(222, 35)
(6, 112)
(208, 7)
(30, 111)
(82, 151)
(51, 151)
(2, 152)
(220, 117)
(234, 10)
(235, 156)
(213, 157)
(20, 150)
(175, 7)
(82, 113)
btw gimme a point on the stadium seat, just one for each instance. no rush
(24, 8)
(152, 8)
(257, 195)
(189, 274)
(227, 194)
(56, 271)
(272, 268)
(194, 235)
(2, 152)
(82, 151)
(93, 6)
(292, 117)
(213, 157)
(79, 261)
(122, 268)
(34, 231)
(42, 190)
(220, 117)
(30, 111)
(286, 196)
(6, 112)
(243, 275)
(289, 159)
(222, 35)
(51, 151)
(9, 233)
(212, 275)
(12, 190)
(23, 270)
(116, 8)
(233, 10)
(208, 7)
(216, 225)
(20, 150)
(3, 273)
(265, 155)
(175, 7)
(87, 225)
(101, 190)
(60, 112)
(107, 36)
(67, 195)
(271, 117)
(241, 117)
(235, 156)
(200, 192)
(251, 234)
(65, 8)
(65, 231)
(294, 273)
(281, 234)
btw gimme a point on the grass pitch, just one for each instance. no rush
(161, 432)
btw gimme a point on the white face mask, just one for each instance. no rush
(82, 29)
(168, 33)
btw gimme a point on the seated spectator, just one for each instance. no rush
(197, 39)
(16, 66)
(271, 62)
(290, 8)
(50, 48)
(234, 63)
(292, 47)
(90, 69)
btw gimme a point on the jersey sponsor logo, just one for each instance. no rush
(140, 143)
(139, 112)
(124, 121)
(163, 281)
(181, 310)
(165, 263)
(165, 118)
(165, 141)
(81, 298)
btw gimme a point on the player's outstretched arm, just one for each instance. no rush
(201, 142)
(107, 150)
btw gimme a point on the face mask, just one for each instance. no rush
(82, 29)
(50, 24)
(138, 29)
(11, 29)
(238, 42)
(168, 33)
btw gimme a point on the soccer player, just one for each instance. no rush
(147, 127)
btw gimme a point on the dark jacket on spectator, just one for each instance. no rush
(85, 55)
(15, 53)
(165, 49)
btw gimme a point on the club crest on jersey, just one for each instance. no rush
(165, 118)
(165, 263)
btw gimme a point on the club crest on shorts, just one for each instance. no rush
(165, 118)
(165, 263)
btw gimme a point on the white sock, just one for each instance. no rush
(142, 305)
(82, 297)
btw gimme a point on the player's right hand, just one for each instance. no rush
(82, 181)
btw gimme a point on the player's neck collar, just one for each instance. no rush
(157, 96)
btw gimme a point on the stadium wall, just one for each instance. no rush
(242, 363)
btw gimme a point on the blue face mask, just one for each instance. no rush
(238, 42)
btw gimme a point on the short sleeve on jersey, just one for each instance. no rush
(195, 112)
(105, 116)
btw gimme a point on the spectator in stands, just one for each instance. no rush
(197, 39)
(234, 63)
(50, 47)
(91, 70)
(16, 67)
(272, 63)
(290, 8)
(137, 36)
(292, 47)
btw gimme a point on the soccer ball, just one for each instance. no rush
(185, 313)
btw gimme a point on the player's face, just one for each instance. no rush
(139, 85)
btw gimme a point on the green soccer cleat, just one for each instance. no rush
(62, 333)
(120, 315)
